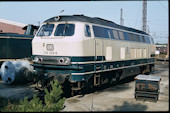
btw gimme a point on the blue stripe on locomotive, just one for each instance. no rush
(82, 72)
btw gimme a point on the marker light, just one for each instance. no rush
(63, 61)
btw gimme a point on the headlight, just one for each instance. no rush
(63, 61)
(37, 59)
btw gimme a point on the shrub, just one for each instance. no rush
(53, 101)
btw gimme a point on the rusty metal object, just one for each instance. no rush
(147, 87)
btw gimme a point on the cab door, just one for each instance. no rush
(98, 54)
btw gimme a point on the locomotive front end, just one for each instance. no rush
(54, 47)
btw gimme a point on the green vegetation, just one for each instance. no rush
(161, 44)
(5, 102)
(53, 102)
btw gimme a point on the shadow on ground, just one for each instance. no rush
(127, 106)
(122, 85)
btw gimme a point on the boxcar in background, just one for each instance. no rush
(17, 46)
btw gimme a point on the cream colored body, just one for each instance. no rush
(80, 45)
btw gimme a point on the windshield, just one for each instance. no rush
(64, 30)
(46, 30)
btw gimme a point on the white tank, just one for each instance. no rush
(16, 72)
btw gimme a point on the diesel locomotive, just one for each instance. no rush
(84, 52)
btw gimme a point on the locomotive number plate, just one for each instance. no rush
(50, 53)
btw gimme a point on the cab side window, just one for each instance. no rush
(87, 31)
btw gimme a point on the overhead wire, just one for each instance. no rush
(163, 6)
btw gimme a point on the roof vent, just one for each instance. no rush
(79, 15)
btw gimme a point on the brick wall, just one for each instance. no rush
(4, 27)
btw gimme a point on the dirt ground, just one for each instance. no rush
(121, 96)
(17, 91)
(115, 98)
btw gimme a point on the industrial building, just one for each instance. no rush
(7, 26)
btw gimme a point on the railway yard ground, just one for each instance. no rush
(114, 98)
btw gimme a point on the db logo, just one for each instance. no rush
(50, 47)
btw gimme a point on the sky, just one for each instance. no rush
(35, 12)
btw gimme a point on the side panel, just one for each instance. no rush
(98, 48)
(14, 48)
(117, 50)
(19, 48)
(3, 48)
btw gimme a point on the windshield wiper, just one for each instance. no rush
(45, 27)
(64, 31)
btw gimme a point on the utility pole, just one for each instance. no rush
(61, 11)
(38, 23)
(121, 17)
(144, 15)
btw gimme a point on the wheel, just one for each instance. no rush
(145, 70)
(117, 78)
(72, 93)
(88, 86)
(152, 68)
